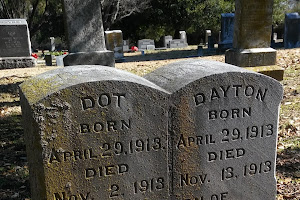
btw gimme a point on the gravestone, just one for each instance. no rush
(150, 47)
(252, 38)
(292, 31)
(183, 36)
(207, 34)
(15, 48)
(223, 130)
(52, 44)
(178, 43)
(167, 40)
(142, 44)
(48, 60)
(85, 34)
(126, 46)
(227, 27)
(95, 133)
(60, 60)
(211, 42)
(114, 43)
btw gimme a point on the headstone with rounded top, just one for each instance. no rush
(95, 133)
(223, 123)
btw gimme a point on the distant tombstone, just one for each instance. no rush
(114, 43)
(60, 60)
(15, 48)
(252, 38)
(95, 134)
(48, 60)
(211, 42)
(183, 36)
(142, 44)
(207, 34)
(126, 45)
(150, 47)
(227, 27)
(292, 30)
(52, 44)
(223, 130)
(178, 43)
(167, 40)
(84, 28)
(200, 50)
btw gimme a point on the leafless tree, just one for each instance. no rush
(115, 10)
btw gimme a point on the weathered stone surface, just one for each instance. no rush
(17, 62)
(15, 48)
(223, 128)
(105, 58)
(292, 30)
(114, 42)
(252, 35)
(177, 43)
(253, 24)
(14, 38)
(273, 71)
(227, 27)
(85, 34)
(95, 133)
(251, 57)
(207, 34)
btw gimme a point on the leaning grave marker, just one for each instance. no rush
(224, 122)
(15, 48)
(91, 135)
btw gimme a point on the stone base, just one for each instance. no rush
(251, 57)
(105, 58)
(17, 62)
(273, 71)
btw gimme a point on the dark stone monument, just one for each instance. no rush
(85, 34)
(252, 38)
(227, 27)
(95, 133)
(292, 31)
(15, 48)
(223, 130)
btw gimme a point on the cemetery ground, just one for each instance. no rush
(14, 174)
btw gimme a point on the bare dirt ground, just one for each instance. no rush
(14, 172)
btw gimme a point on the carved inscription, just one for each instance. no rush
(118, 143)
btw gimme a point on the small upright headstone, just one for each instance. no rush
(15, 46)
(126, 45)
(223, 130)
(84, 28)
(207, 34)
(114, 43)
(142, 44)
(292, 30)
(183, 36)
(211, 42)
(95, 134)
(52, 44)
(167, 40)
(178, 43)
(227, 26)
(252, 38)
